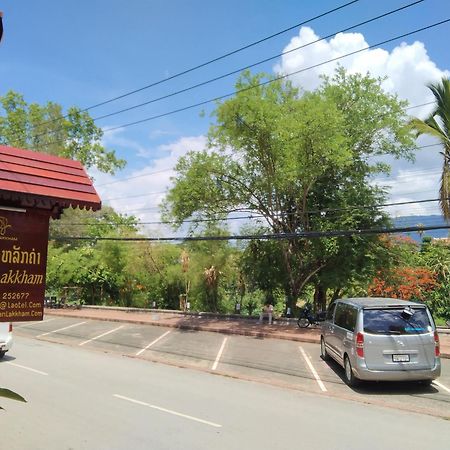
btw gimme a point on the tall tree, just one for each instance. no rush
(287, 156)
(46, 129)
(438, 125)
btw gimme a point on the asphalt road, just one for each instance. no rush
(102, 385)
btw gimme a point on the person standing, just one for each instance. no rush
(267, 311)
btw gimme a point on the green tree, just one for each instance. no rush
(436, 256)
(284, 155)
(94, 224)
(212, 271)
(438, 125)
(262, 264)
(46, 129)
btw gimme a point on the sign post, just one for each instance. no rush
(23, 259)
(33, 187)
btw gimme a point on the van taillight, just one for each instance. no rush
(437, 350)
(360, 345)
(10, 327)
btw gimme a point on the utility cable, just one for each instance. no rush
(171, 169)
(206, 63)
(241, 69)
(203, 83)
(269, 236)
(260, 216)
(222, 97)
(218, 58)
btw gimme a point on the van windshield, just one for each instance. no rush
(393, 321)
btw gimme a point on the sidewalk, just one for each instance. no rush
(280, 329)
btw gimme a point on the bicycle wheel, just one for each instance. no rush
(303, 322)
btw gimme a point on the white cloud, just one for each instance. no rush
(407, 68)
(142, 190)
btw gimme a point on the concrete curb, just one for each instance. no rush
(282, 320)
(184, 326)
(314, 339)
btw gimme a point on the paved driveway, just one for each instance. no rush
(278, 362)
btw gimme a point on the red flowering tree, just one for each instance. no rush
(408, 283)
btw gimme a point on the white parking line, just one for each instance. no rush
(175, 413)
(26, 368)
(441, 386)
(61, 329)
(101, 335)
(311, 367)
(152, 343)
(216, 362)
(34, 323)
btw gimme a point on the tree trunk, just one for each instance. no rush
(320, 298)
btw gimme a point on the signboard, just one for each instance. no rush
(23, 260)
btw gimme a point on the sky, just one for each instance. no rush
(86, 52)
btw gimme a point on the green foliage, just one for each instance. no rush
(6, 393)
(103, 223)
(46, 129)
(285, 157)
(436, 256)
(438, 125)
(261, 263)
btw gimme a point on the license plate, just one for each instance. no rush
(400, 358)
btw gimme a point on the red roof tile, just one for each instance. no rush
(32, 179)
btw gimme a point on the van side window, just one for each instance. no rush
(330, 311)
(339, 317)
(351, 318)
(345, 316)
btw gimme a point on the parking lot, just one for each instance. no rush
(295, 365)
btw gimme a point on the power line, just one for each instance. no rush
(171, 169)
(281, 77)
(226, 55)
(211, 61)
(222, 97)
(168, 170)
(271, 236)
(234, 72)
(260, 216)
(135, 176)
(134, 196)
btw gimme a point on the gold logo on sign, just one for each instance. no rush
(4, 225)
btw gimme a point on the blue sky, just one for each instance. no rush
(84, 52)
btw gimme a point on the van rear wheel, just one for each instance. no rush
(2, 354)
(323, 350)
(350, 379)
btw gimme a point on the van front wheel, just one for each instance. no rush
(2, 354)
(350, 379)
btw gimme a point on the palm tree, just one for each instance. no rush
(438, 125)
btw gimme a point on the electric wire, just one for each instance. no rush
(268, 236)
(437, 170)
(281, 77)
(241, 69)
(254, 216)
(211, 61)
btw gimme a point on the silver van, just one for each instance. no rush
(381, 339)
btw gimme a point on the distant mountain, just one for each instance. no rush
(413, 221)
